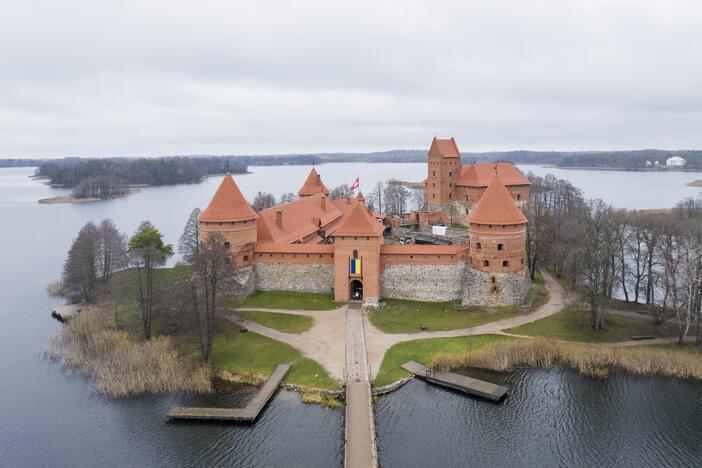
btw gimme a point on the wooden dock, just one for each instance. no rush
(458, 382)
(247, 414)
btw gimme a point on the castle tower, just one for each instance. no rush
(444, 168)
(497, 232)
(357, 256)
(498, 274)
(230, 215)
(313, 185)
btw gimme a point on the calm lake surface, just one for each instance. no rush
(553, 417)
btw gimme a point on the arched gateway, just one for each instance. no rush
(356, 290)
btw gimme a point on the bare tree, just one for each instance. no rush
(395, 197)
(215, 271)
(80, 271)
(262, 201)
(147, 252)
(288, 197)
(112, 248)
(417, 195)
(188, 244)
(341, 192)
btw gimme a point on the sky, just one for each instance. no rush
(147, 78)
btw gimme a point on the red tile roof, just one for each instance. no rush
(313, 185)
(301, 218)
(481, 174)
(447, 148)
(496, 206)
(228, 204)
(360, 223)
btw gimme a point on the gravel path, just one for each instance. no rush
(325, 342)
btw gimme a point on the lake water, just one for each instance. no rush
(49, 418)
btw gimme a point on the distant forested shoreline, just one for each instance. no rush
(104, 177)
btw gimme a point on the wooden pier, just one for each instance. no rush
(247, 414)
(458, 382)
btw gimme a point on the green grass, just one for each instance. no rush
(424, 351)
(287, 323)
(399, 316)
(573, 324)
(252, 353)
(290, 300)
(126, 295)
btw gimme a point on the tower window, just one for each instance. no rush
(522, 261)
(227, 245)
(434, 173)
(449, 173)
(499, 246)
(486, 263)
(492, 280)
(246, 258)
(519, 196)
(505, 263)
(355, 254)
(478, 246)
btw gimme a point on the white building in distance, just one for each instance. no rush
(675, 161)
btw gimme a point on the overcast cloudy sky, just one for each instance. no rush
(102, 78)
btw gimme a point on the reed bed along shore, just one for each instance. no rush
(121, 366)
(591, 360)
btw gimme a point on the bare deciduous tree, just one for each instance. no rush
(215, 271)
(262, 201)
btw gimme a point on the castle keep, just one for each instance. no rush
(316, 244)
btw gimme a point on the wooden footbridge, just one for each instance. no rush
(247, 414)
(458, 382)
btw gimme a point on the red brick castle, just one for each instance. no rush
(317, 244)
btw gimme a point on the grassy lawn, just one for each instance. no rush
(290, 300)
(127, 299)
(252, 353)
(424, 351)
(399, 316)
(287, 323)
(573, 324)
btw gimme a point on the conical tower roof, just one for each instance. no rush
(313, 185)
(360, 197)
(496, 206)
(359, 223)
(228, 204)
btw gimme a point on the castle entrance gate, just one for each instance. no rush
(356, 290)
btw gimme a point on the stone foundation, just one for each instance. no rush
(507, 289)
(314, 278)
(428, 283)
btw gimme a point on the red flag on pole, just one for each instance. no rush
(355, 184)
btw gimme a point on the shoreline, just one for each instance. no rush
(621, 169)
(71, 199)
(695, 183)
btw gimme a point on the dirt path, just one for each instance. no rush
(378, 342)
(324, 342)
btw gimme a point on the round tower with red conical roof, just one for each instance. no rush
(497, 234)
(230, 215)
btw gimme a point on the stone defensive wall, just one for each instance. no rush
(294, 267)
(495, 289)
(431, 273)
